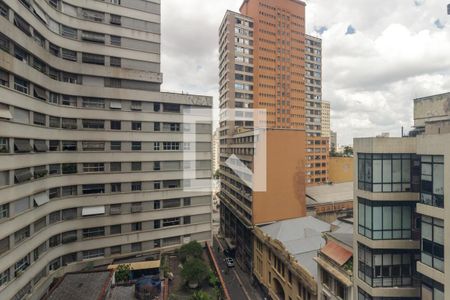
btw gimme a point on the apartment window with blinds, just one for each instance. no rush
(115, 229)
(70, 78)
(136, 186)
(69, 146)
(54, 49)
(171, 222)
(136, 146)
(93, 253)
(136, 105)
(54, 145)
(54, 169)
(93, 124)
(21, 85)
(116, 20)
(116, 40)
(116, 145)
(93, 15)
(433, 242)
(70, 190)
(39, 39)
(22, 234)
(171, 146)
(116, 187)
(21, 266)
(95, 59)
(22, 25)
(93, 37)
(93, 103)
(93, 189)
(136, 166)
(136, 226)
(116, 125)
(69, 100)
(93, 146)
(4, 277)
(113, 82)
(136, 126)
(171, 203)
(69, 123)
(115, 61)
(69, 54)
(93, 167)
(93, 232)
(55, 122)
(39, 119)
(4, 211)
(39, 65)
(69, 168)
(4, 78)
(69, 32)
(4, 10)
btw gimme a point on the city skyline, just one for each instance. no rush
(357, 101)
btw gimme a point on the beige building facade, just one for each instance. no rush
(91, 152)
(400, 233)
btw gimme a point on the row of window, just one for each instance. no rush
(25, 146)
(386, 267)
(433, 242)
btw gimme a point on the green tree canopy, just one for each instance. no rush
(194, 270)
(192, 249)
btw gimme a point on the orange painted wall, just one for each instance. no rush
(341, 169)
(285, 195)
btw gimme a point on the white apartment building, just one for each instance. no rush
(91, 152)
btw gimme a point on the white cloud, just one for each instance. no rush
(370, 77)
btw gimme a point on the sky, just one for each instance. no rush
(378, 55)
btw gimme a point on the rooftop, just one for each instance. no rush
(81, 285)
(302, 238)
(329, 193)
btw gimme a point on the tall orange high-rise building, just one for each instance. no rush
(262, 66)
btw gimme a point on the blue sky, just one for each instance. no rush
(378, 56)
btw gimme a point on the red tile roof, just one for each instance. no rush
(337, 253)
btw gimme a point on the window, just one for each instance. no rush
(186, 201)
(115, 61)
(156, 107)
(93, 102)
(21, 54)
(39, 119)
(431, 289)
(116, 250)
(156, 224)
(116, 166)
(55, 240)
(93, 124)
(171, 222)
(4, 145)
(95, 59)
(70, 190)
(93, 232)
(93, 189)
(69, 123)
(156, 204)
(136, 207)
(187, 220)
(171, 107)
(69, 32)
(156, 185)
(55, 122)
(156, 166)
(54, 217)
(136, 105)
(93, 253)
(54, 145)
(135, 247)
(21, 85)
(70, 78)
(432, 242)
(69, 146)
(136, 226)
(170, 203)
(156, 126)
(93, 146)
(113, 82)
(116, 229)
(69, 237)
(156, 146)
(116, 20)
(4, 211)
(93, 37)
(136, 146)
(22, 25)
(54, 49)
(136, 166)
(116, 145)
(21, 265)
(4, 12)
(116, 187)
(136, 126)
(21, 234)
(93, 167)
(69, 168)
(116, 40)
(69, 214)
(69, 54)
(136, 186)
(385, 267)
(39, 65)
(93, 15)
(4, 78)
(432, 180)
(170, 241)
(388, 172)
(115, 209)
(386, 220)
(4, 277)
(171, 146)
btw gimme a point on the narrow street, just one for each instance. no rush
(238, 283)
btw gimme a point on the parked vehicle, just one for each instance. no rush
(230, 262)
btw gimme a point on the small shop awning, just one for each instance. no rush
(338, 254)
(5, 113)
(40, 146)
(41, 198)
(22, 145)
(141, 265)
(116, 104)
(93, 210)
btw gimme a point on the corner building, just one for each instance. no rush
(262, 67)
(401, 244)
(91, 152)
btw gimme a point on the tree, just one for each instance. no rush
(348, 151)
(194, 271)
(123, 273)
(192, 249)
(213, 280)
(200, 295)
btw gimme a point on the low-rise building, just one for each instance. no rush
(335, 264)
(284, 254)
(330, 201)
